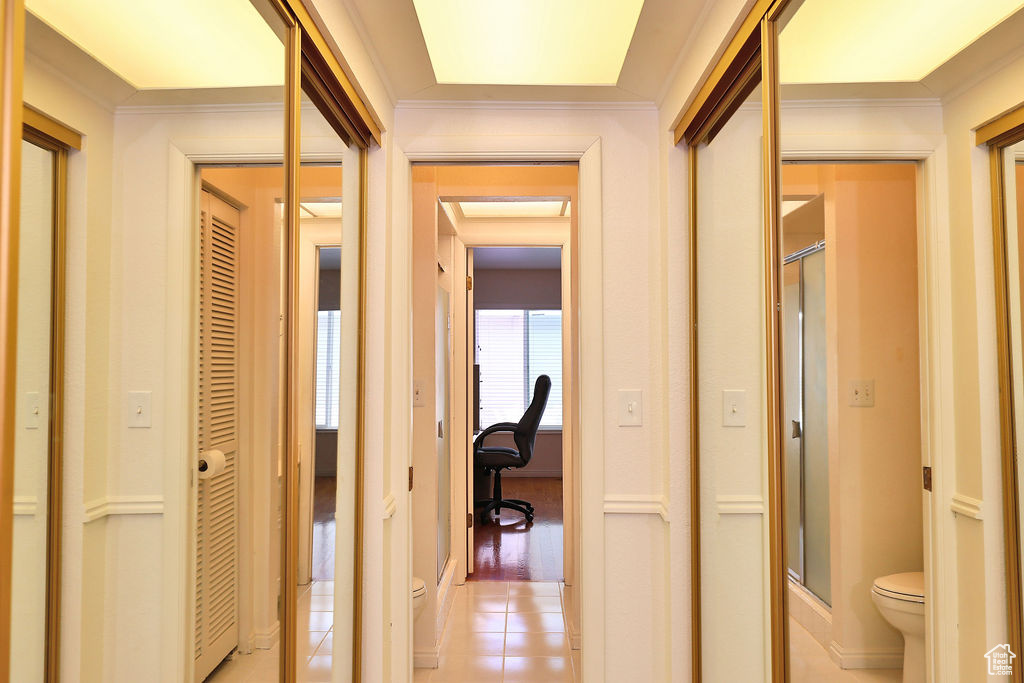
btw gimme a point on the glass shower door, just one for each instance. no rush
(816, 538)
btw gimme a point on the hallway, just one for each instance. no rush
(505, 632)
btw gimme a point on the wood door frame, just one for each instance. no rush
(588, 494)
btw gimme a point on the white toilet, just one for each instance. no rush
(419, 596)
(900, 599)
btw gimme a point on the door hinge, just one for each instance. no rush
(926, 475)
(469, 520)
(469, 283)
(410, 479)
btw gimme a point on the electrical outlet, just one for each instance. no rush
(862, 393)
(418, 393)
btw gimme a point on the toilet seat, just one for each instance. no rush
(906, 587)
(418, 587)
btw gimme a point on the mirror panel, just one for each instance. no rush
(37, 389)
(174, 431)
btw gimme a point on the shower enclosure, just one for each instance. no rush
(806, 420)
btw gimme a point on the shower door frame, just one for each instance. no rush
(799, 256)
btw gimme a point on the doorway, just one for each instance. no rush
(494, 245)
(851, 419)
(516, 338)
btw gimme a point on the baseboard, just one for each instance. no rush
(426, 659)
(264, 640)
(865, 659)
(812, 614)
(527, 473)
(575, 638)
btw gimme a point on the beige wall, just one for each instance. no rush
(874, 452)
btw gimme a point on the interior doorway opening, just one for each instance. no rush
(495, 412)
(517, 339)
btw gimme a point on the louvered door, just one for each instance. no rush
(216, 633)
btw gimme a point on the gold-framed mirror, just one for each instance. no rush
(1005, 140)
(38, 441)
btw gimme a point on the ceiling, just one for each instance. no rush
(393, 32)
(517, 258)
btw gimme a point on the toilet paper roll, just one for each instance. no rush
(211, 463)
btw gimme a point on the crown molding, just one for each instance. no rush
(526, 106)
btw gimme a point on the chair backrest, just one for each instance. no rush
(526, 431)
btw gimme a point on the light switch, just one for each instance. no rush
(862, 393)
(631, 408)
(33, 410)
(418, 393)
(734, 408)
(139, 409)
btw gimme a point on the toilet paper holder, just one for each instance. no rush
(211, 463)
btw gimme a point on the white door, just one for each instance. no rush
(471, 403)
(216, 630)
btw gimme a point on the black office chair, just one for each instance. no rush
(495, 458)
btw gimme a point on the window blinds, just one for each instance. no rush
(328, 363)
(513, 348)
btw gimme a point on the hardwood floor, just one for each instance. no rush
(324, 489)
(509, 548)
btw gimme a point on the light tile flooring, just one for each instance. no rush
(505, 632)
(810, 663)
(316, 638)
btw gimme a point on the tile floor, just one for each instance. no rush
(810, 663)
(316, 638)
(505, 632)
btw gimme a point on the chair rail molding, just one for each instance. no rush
(966, 506)
(742, 504)
(636, 504)
(109, 506)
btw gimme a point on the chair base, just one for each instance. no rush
(496, 503)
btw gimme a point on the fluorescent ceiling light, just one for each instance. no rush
(528, 42)
(515, 209)
(868, 41)
(321, 209)
(164, 44)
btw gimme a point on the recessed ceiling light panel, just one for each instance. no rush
(528, 42)
(872, 41)
(172, 44)
(514, 209)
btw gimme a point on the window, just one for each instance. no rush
(513, 348)
(328, 362)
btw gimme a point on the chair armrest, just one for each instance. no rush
(494, 429)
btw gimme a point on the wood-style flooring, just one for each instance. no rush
(324, 489)
(509, 548)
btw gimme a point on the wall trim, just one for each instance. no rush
(108, 506)
(865, 659)
(966, 506)
(744, 504)
(637, 504)
(517, 105)
(26, 506)
(264, 640)
(390, 505)
(426, 659)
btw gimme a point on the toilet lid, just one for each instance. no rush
(418, 586)
(908, 586)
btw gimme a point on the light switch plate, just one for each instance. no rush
(139, 409)
(33, 410)
(418, 392)
(862, 393)
(631, 408)
(734, 408)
